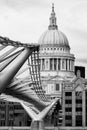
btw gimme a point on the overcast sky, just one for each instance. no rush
(26, 20)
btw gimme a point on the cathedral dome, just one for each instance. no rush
(53, 36)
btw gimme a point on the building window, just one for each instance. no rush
(78, 101)
(62, 63)
(43, 64)
(68, 120)
(68, 109)
(55, 64)
(11, 123)
(66, 64)
(20, 123)
(2, 123)
(79, 120)
(68, 93)
(68, 101)
(68, 117)
(3, 115)
(57, 87)
(51, 64)
(78, 109)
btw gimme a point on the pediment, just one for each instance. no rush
(79, 88)
(79, 84)
(78, 80)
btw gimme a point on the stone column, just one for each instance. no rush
(46, 64)
(73, 108)
(37, 125)
(73, 64)
(57, 64)
(70, 65)
(64, 64)
(53, 64)
(49, 64)
(83, 109)
(67, 64)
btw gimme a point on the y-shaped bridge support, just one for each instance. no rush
(37, 118)
(6, 77)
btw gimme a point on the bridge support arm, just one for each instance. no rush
(10, 71)
(37, 119)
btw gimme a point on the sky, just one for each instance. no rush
(26, 20)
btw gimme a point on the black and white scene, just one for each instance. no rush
(43, 64)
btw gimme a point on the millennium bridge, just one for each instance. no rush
(20, 80)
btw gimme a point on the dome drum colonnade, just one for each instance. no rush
(57, 64)
(55, 56)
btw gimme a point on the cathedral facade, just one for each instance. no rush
(57, 63)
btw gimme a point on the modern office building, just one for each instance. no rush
(12, 114)
(74, 102)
